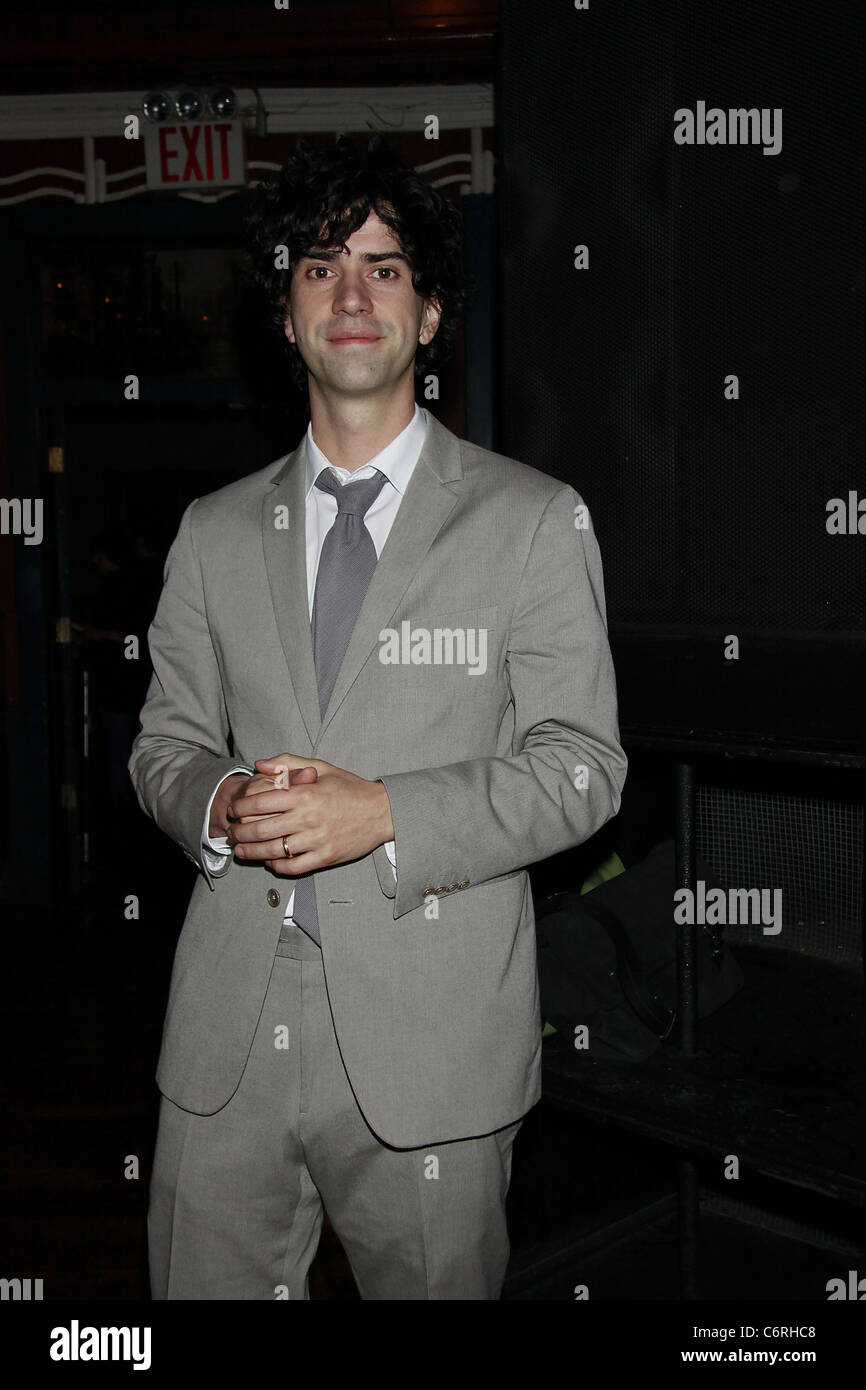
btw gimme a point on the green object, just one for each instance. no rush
(611, 867)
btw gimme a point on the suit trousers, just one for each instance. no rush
(236, 1198)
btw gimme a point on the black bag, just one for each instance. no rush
(607, 960)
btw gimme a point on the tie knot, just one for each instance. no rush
(353, 498)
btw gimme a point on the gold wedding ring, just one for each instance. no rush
(286, 851)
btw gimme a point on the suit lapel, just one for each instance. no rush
(284, 541)
(430, 497)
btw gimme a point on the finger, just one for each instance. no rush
(287, 777)
(273, 851)
(265, 803)
(260, 851)
(284, 776)
(263, 830)
(300, 776)
(285, 760)
(297, 865)
(265, 782)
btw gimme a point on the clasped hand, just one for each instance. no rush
(329, 816)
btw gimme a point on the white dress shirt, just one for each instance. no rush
(397, 461)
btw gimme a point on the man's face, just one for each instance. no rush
(354, 315)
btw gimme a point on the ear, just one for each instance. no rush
(429, 321)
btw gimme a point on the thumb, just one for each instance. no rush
(284, 760)
(303, 775)
(286, 776)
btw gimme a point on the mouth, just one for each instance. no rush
(356, 338)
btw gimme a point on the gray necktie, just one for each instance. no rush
(346, 567)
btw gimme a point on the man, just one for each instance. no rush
(403, 635)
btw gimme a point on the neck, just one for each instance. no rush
(351, 432)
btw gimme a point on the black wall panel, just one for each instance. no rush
(705, 260)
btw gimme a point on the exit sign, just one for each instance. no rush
(195, 154)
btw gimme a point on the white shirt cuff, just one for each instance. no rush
(216, 848)
(391, 851)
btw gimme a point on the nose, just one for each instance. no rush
(351, 295)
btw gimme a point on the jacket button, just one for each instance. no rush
(273, 897)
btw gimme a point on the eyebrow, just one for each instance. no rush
(368, 257)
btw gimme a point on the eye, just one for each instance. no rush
(389, 269)
(314, 268)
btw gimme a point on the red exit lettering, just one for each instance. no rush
(193, 137)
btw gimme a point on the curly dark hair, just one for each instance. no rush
(321, 196)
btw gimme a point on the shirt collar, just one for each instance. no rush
(397, 460)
